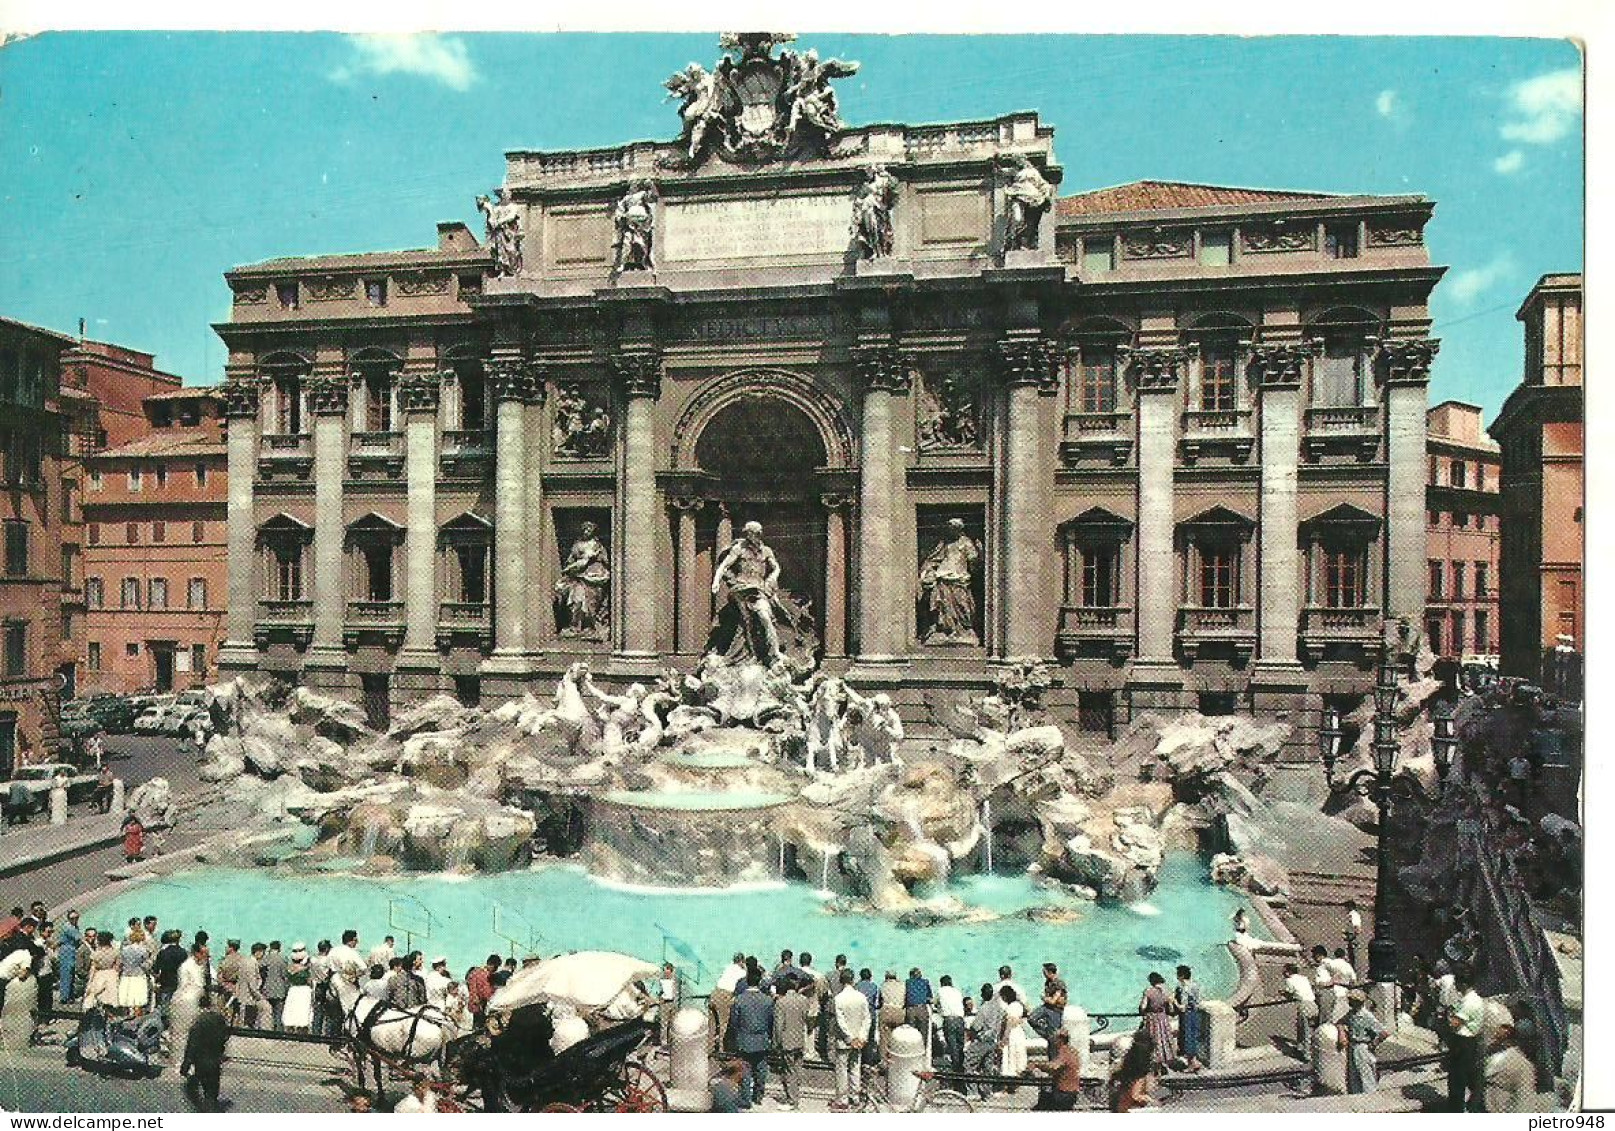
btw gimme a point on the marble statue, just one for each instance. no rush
(872, 205)
(751, 571)
(873, 730)
(503, 221)
(635, 221)
(947, 414)
(945, 577)
(812, 98)
(706, 99)
(582, 430)
(825, 727)
(1026, 198)
(582, 594)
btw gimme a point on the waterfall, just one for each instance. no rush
(782, 858)
(824, 871)
(987, 824)
(367, 844)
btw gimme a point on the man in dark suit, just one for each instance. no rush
(791, 1035)
(751, 1028)
(204, 1056)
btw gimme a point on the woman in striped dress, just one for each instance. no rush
(1156, 1009)
(102, 988)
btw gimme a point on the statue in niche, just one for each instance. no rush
(582, 430)
(635, 221)
(945, 579)
(947, 414)
(503, 220)
(748, 626)
(872, 205)
(583, 594)
(1026, 198)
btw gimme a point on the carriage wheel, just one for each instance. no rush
(641, 1090)
(567, 1109)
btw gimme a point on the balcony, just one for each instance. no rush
(1232, 628)
(1090, 629)
(1357, 626)
(466, 454)
(288, 454)
(464, 622)
(1225, 432)
(284, 621)
(375, 455)
(1102, 436)
(374, 621)
(1344, 430)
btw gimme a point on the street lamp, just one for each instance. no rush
(1381, 783)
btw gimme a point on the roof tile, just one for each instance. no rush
(1156, 196)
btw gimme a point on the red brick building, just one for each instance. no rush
(1465, 521)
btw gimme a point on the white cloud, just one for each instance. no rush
(1510, 162)
(429, 56)
(1469, 284)
(1387, 103)
(1545, 108)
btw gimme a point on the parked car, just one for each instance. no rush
(182, 717)
(151, 720)
(115, 713)
(38, 781)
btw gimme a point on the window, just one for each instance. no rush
(286, 295)
(1457, 581)
(1216, 249)
(199, 658)
(196, 593)
(1483, 630)
(67, 568)
(286, 581)
(96, 482)
(378, 572)
(1435, 518)
(16, 549)
(161, 415)
(67, 624)
(470, 285)
(378, 387)
(473, 561)
(95, 594)
(1435, 472)
(1456, 644)
(1433, 634)
(1338, 374)
(289, 404)
(1340, 241)
(201, 475)
(93, 655)
(134, 480)
(131, 533)
(157, 591)
(1437, 583)
(375, 292)
(1099, 575)
(95, 533)
(16, 648)
(473, 396)
(198, 530)
(1098, 255)
(1219, 573)
(1096, 711)
(1217, 703)
(1343, 573)
(1218, 374)
(468, 690)
(1460, 473)
(1096, 378)
(159, 532)
(1460, 518)
(131, 649)
(162, 475)
(1482, 580)
(129, 595)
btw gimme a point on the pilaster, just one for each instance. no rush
(884, 374)
(328, 404)
(241, 396)
(1156, 370)
(1405, 368)
(1278, 369)
(1027, 368)
(511, 384)
(638, 375)
(419, 393)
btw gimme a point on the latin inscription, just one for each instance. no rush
(757, 228)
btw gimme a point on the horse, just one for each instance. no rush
(401, 1036)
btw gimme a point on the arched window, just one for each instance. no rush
(1342, 373)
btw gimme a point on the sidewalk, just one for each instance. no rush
(26, 847)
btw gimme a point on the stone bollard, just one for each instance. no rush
(1328, 1061)
(690, 1067)
(1382, 998)
(58, 805)
(1221, 1029)
(1077, 1026)
(17, 1014)
(905, 1055)
(117, 796)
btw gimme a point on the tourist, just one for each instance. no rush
(319, 981)
(1331, 999)
(102, 988)
(437, 979)
(985, 1030)
(667, 995)
(1186, 1004)
(297, 1009)
(383, 952)
(1133, 1082)
(1354, 931)
(1466, 1018)
(866, 986)
(1006, 977)
(165, 967)
(723, 998)
(204, 1057)
(1519, 777)
(950, 1005)
(81, 963)
(854, 1019)
(456, 1008)
(1298, 988)
(1155, 1007)
(345, 960)
(378, 983)
(1050, 1014)
(250, 986)
(134, 839)
(102, 797)
(1012, 1036)
(787, 969)
(1510, 1077)
(728, 1087)
(790, 1036)
(272, 967)
(892, 1011)
(134, 963)
(406, 989)
(751, 1019)
(201, 940)
(67, 956)
(422, 1099)
(1360, 1034)
(917, 998)
(478, 989)
(1064, 1064)
(1341, 970)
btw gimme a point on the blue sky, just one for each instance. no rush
(136, 168)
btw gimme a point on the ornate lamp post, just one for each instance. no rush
(1381, 783)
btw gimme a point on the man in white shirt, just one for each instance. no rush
(1298, 988)
(1330, 997)
(437, 983)
(1354, 930)
(347, 966)
(853, 1024)
(667, 998)
(1464, 1057)
(421, 1099)
(1006, 977)
(383, 954)
(950, 1004)
(723, 998)
(1341, 971)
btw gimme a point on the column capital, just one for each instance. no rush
(327, 395)
(836, 500)
(241, 397)
(1408, 359)
(638, 375)
(1279, 366)
(1029, 361)
(419, 392)
(516, 379)
(882, 367)
(1156, 366)
(687, 504)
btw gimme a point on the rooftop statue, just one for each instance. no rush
(1026, 198)
(504, 222)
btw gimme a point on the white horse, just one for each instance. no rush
(402, 1036)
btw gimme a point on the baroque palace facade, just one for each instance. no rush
(1170, 436)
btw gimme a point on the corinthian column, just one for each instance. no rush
(241, 394)
(883, 614)
(513, 389)
(328, 402)
(1278, 611)
(1157, 370)
(1407, 380)
(1027, 367)
(639, 378)
(418, 395)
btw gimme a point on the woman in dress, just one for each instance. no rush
(1186, 1003)
(102, 988)
(1360, 1034)
(1012, 1039)
(134, 838)
(298, 1012)
(134, 963)
(1131, 1085)
(1156, 1008)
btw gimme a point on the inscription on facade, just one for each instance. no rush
(758, 228)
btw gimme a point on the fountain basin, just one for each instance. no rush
(678, 838)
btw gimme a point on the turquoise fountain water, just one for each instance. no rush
(556, 909)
